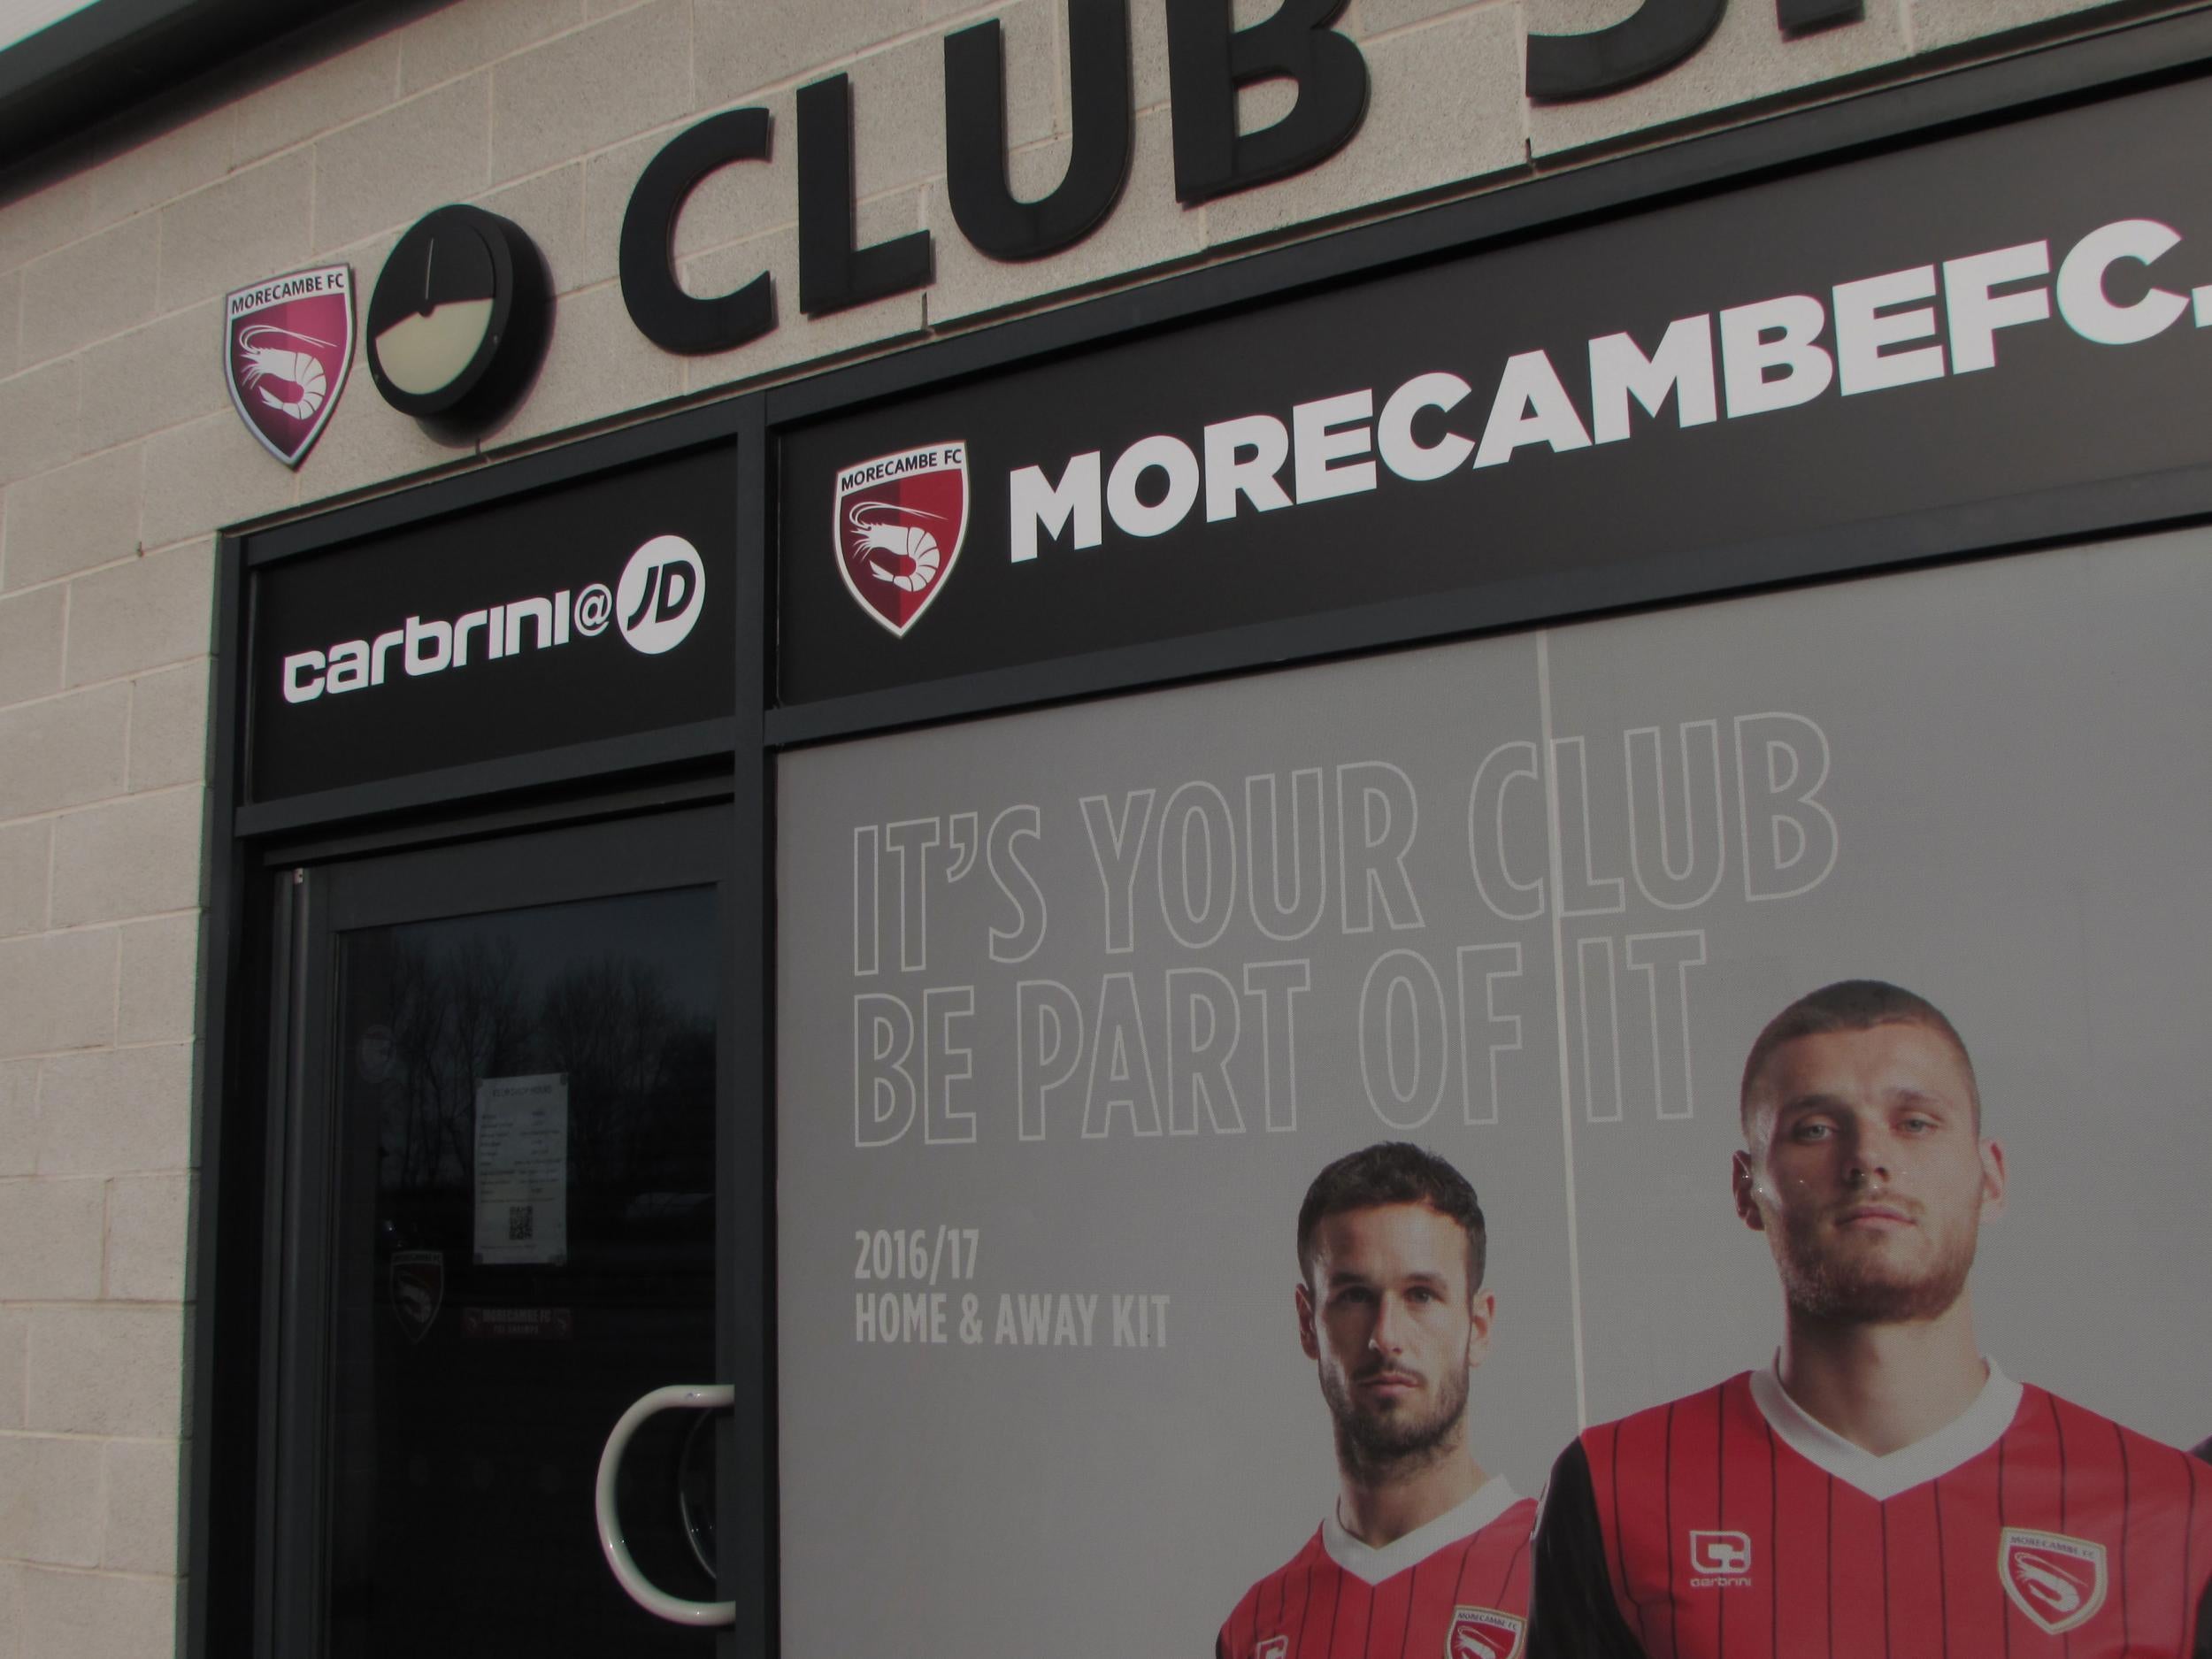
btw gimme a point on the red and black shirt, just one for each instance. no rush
(1455, 1588)
(1731, 1525)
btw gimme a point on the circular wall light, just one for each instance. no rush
(458, 320)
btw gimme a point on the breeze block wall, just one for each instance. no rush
(120, 459)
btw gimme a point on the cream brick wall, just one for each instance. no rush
(119, 460)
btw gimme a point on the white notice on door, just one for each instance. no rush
(522, 1169)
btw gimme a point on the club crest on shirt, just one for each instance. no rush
(1482, 1632)
(2057, 1581)
(1273, 1647)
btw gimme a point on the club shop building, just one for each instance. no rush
(732, 734)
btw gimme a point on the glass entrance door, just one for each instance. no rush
(504, 1077)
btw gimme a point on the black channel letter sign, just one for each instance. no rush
(836, 273)
(983, 204)
(1210, 59)
(663, 313)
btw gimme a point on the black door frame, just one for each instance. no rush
(246, 1004)
(314, 905)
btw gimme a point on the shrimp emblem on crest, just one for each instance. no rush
(910, 559)
(268, 353)
(2057, 1580)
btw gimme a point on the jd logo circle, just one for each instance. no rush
(660, 595)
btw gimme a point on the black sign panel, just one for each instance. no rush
(593, 609)
(1998, 312)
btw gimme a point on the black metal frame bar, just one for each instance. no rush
(564, 785)
(746, 1461)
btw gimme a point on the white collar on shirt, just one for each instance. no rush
(1973, 1432)
(1491, 1499)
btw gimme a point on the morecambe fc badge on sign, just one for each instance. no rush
(900, 521)
(2057, 1581)
(417, 1290)
(1482, 1632)
(287, 345)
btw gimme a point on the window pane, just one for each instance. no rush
(526, 1244)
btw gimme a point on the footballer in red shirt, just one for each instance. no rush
(1883, 1489)
(1423, 1553)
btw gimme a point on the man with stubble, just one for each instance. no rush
(1882, 1487)
(1424, 1551)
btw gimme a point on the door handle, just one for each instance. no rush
(679, 1397)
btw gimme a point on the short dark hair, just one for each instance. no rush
(1851, 1005)
(1393, 1172)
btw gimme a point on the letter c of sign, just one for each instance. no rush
(303, 676)
(663, 313)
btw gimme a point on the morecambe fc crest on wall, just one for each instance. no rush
(287, 345)
(900, 521)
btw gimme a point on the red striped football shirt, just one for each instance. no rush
(1455, 1588)
(1731, 1525)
